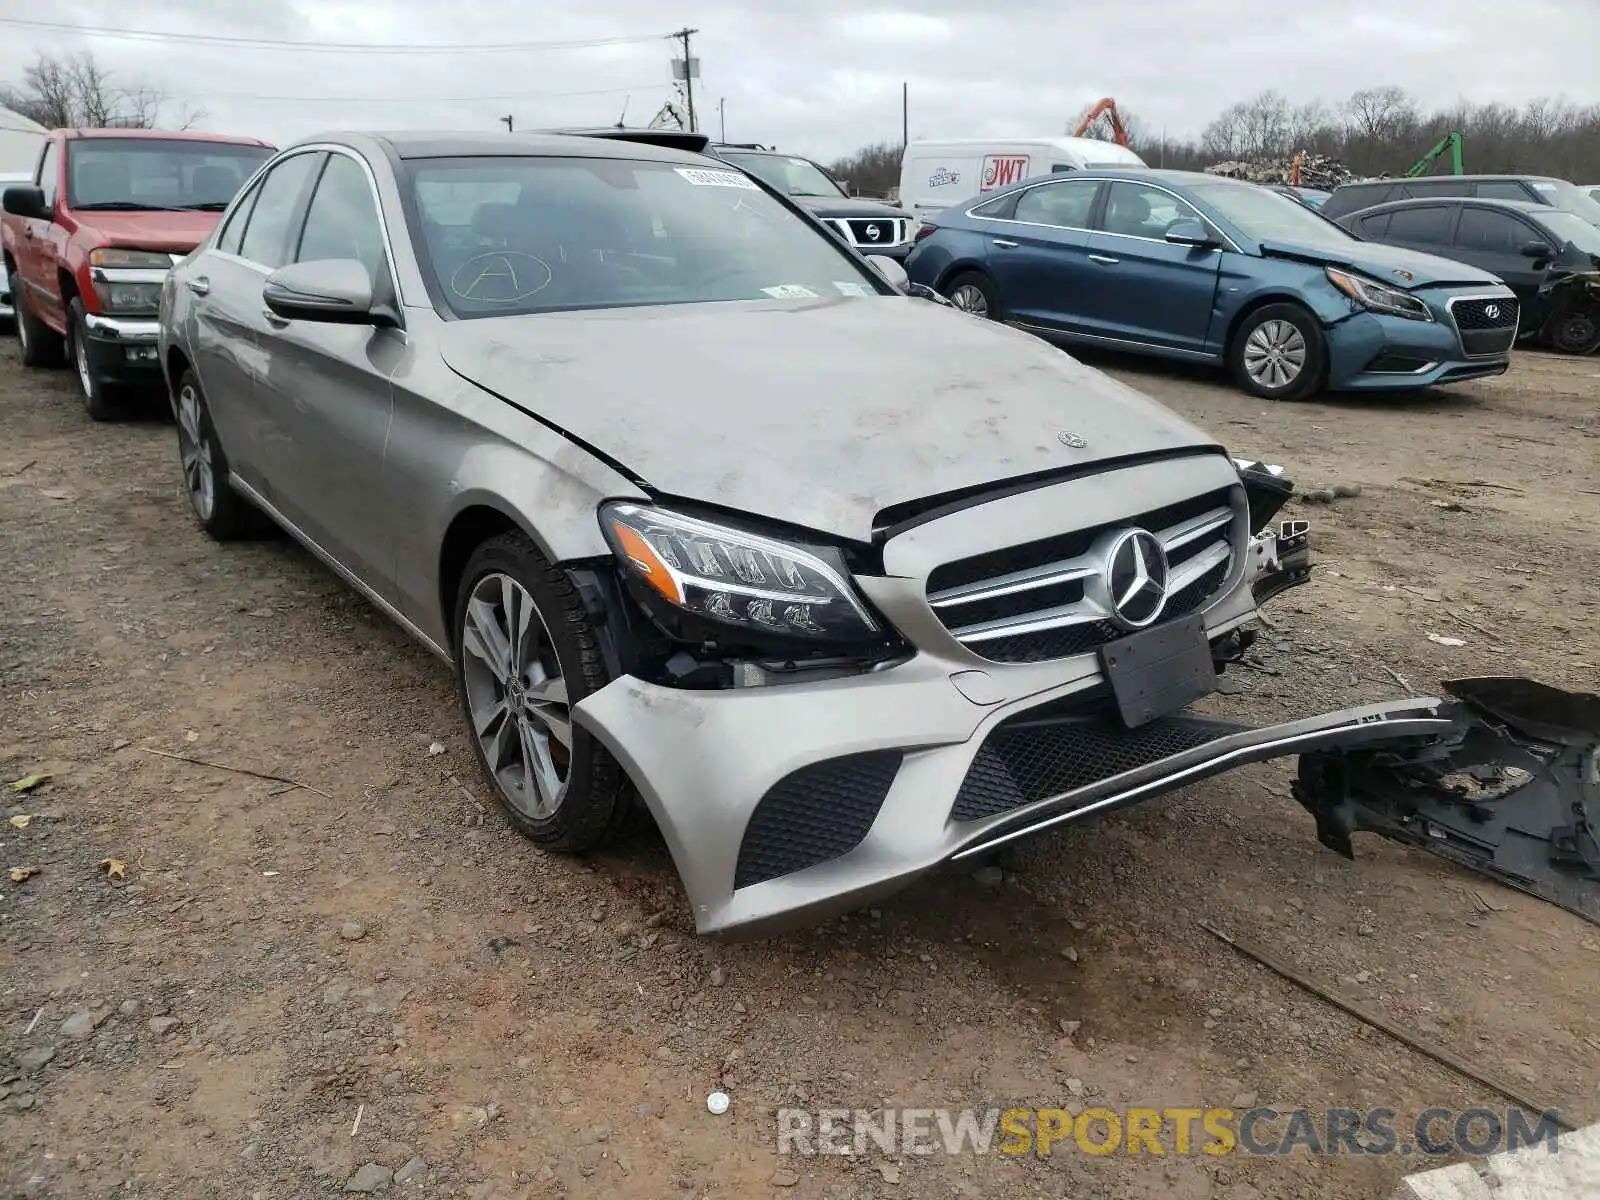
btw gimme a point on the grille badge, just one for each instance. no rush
(1136, 578)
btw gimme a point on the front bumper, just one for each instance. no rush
(123, 349)
(784, 804)
(1373, 352)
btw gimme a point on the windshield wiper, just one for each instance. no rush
(122, 206)
(207, 206)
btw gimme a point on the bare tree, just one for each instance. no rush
(70, 91)
(1375, 113)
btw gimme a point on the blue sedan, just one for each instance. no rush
(1207, 269)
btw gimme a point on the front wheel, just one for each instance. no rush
(1574, 332)
(526, 653)
(97, 399)
(1278, 353)
(974, 292)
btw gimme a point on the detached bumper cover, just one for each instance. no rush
(1512, 790)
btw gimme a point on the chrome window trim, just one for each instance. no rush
(1227, 242)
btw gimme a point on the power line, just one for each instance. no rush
(216, 39)
(360, 100)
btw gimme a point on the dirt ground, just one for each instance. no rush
(286, 986)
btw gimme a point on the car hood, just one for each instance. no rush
(819, 413)
(1393, 265)
(175, 232)
(842, 206)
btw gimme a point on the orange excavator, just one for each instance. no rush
(1103, 108)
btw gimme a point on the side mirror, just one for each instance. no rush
(335, 291)
(1187, 231)
(922, 291)
(890, 270)
(1536, 250)
(25, 200)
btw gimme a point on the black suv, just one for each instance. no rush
(1533, 189)
(871, 226)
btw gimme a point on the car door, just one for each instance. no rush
(1039, 254)
(1493, 240)
(229, 321)
(325, 387)
(1146, 289)
(1425, 227)
(35, 251)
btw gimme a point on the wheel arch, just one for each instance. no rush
(965, 265)
(1259, 301)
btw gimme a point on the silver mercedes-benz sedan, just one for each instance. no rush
(713, 520)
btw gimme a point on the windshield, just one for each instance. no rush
(525, 235)
(1267, 216)
(1569, 198)
(157, 173)
(1570, 227)
(791, 176)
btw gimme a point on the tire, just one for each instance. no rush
(41, 346)
(223, 513)
(1574, 332)
(98, 400)
(1273, 340)
(578, 796)
(974, 292)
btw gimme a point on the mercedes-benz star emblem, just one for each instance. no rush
(1492, 311)
(1067, 438)
(1136, 578)
(873, 233)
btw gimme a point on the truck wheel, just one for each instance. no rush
(526, 653)
(40, 345)
(1278, 353)
(97, 400)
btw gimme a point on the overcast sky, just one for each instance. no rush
(819, 77)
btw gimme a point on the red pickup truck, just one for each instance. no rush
(88, 243)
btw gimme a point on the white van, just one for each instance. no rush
(934, 174)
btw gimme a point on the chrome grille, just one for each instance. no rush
(858, 231)
(1046, 600)
(1487, 325)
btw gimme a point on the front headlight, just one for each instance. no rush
(122, 279)
(739, 579)
(1372, 295)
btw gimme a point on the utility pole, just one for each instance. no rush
(722, 117)
(510, 128)
(905, 116)
(688, 73)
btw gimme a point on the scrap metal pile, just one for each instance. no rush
(1316, 171)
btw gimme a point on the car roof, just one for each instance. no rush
(1459, 178)
(167, 135)
(1531, 207)
(411, 144)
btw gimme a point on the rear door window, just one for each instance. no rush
(1066, 204)
(1429, 226)
(1376, 228)
(1503, 189)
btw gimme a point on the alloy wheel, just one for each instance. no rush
(969, 297)
(516, 695)
(80, 358)
(1275, 354)
(194, 448)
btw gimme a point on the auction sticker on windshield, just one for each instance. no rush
(846, 288)
(790, 291)
(703, 178)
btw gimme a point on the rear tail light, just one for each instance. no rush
(924, 231)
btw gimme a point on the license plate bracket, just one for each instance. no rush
(1157, 671)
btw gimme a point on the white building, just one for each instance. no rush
(19, 143)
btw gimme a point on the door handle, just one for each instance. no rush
(273, 318)
(1005, 243)
(1106, 259)
(200, 287)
